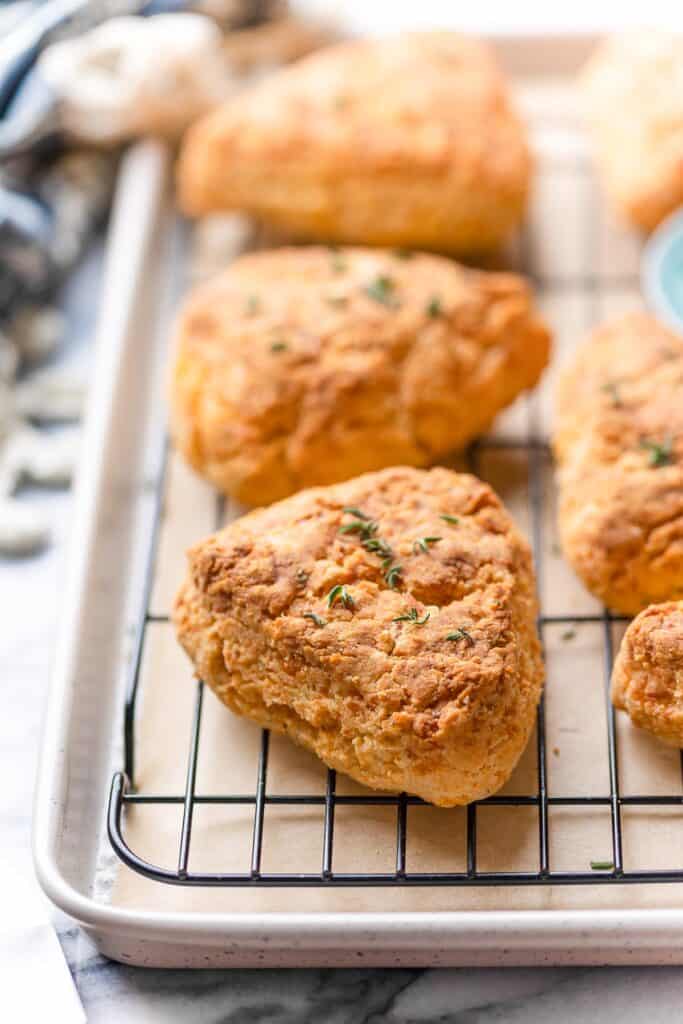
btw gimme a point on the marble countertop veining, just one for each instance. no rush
(112, 993)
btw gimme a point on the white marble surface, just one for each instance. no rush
(29, 592)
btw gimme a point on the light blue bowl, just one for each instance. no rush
(661, 271)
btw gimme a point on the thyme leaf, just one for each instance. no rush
(382, 290)
(602, 865)
(353, 511)
(612, 389)
(278, 346)
(434, 307)
(660, 454)
(340, 593)
(392, 576)
(422, 544)
(315, 618)
(452, 520)
(412, 616)
(461, 634)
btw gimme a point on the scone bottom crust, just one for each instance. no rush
(387, 624)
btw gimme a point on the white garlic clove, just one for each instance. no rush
(138, 76)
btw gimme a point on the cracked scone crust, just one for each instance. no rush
(307, 366)
(619, 447)
(640, 155)
(648, 674)
(407, 141)
(397, 705)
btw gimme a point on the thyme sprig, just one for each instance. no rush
(451, 520)
(341, 594)
(412, 616)
(382, 290)
(660, 454)
(461, 634)
(422, 544)
(315, 618)
(366, 529)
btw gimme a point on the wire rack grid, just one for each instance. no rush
(123, 793)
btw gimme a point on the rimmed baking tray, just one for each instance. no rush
(587, 800)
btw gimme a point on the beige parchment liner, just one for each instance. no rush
(585, 269)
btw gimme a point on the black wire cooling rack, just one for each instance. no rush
(123, 792)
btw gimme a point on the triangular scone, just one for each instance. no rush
(406, 141)
(304, 366)
(388, 624)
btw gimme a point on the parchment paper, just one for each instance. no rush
(570, 240)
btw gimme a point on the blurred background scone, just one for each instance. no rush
(409, 141)
(307, 366)
(633, 99)
(388, 624)
(648, 674)
(619, 446)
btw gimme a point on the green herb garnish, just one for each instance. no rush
(392, 576)
(381, 290)
(568, 634)
(612, 389)
(340, 593)
(315, 618)
(453, 520)
(602, 865)
(461, 634)
(660, 454)
(422, 544)
(278, 346)
(353, 511)
(434, 307)
(412, 616)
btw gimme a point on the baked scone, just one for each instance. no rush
(647, 681)
(388, 624)
(633, 98)
(619, 446)
(410, 141)
(306, 366)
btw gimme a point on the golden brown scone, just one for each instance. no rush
(408, 141)
(387, 624)
(307, 366)
(633, 97)
(619, 445)
(647, 681)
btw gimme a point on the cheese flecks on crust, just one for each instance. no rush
(305, 366)
(405, 141)
(647, 681)
(633, 98)
(426, 683)
(619, 447)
